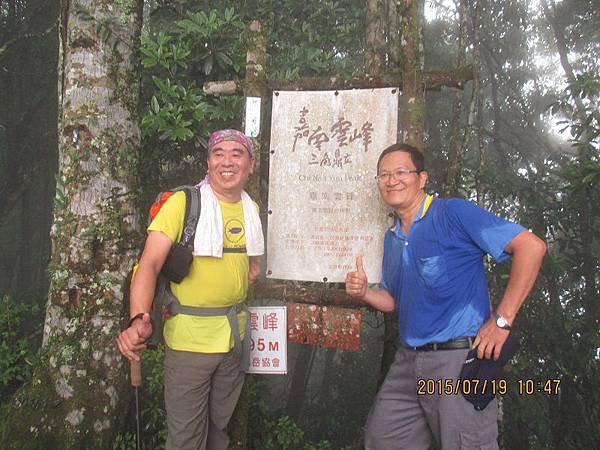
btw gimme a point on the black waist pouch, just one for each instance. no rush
(178, 262)
(486, 371)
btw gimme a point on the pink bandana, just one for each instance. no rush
(230, 135)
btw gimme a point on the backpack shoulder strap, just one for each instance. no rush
(192, 215)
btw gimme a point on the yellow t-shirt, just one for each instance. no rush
(210, 283)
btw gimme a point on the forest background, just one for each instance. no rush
(520, 138)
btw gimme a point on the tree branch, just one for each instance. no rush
(290, 292)
(432, 81)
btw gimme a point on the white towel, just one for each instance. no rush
(209, 231)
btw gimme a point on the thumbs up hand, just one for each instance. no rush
(356, 282)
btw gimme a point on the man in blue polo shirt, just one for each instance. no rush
(434, 278)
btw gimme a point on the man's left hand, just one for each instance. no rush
(489, 340)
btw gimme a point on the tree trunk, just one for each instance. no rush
(390, 345)
(573, 406)
(412, 117)
(476, 118)
(375, 51)
(299, 383)
(79, 391)
(326, 390)
(586, 228)
(474, 126)
(393, 33)
(455, 142)
(255, 86)
(412, 123)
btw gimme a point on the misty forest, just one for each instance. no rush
(104, 103)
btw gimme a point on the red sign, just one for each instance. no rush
(329, 326)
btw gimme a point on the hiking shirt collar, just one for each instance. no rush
(397, 228)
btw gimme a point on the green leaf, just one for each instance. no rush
(149, 62)
(198, 115)
(223, 60)
(155, 105)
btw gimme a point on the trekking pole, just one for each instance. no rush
(136, 381)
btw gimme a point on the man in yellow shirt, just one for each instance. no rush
(203, 374)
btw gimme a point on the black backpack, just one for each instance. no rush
(178, 262)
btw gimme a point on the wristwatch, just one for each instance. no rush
(141, 316)
(501, 322)
(134, 318)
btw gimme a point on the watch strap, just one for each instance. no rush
(134, 318)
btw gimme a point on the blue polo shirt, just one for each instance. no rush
(436, 273)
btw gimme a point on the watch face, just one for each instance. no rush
(501, 322)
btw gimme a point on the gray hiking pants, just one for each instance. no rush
(201, 391)
(408, 411)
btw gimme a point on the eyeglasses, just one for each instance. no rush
(396, 175)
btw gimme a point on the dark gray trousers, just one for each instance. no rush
(404, 418)
(201, 391)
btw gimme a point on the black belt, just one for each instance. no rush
(454, 344)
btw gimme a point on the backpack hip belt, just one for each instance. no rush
(240, 348)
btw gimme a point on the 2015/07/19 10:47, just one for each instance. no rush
(476, 386)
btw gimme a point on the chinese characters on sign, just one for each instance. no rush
(343, 134)
(324, 206)
(328, 241)
(268, 340)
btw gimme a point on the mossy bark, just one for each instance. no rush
(456, 139)
(412, 113)
(375, 51)
(79, 392)
(433, 80)
(255, 85)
